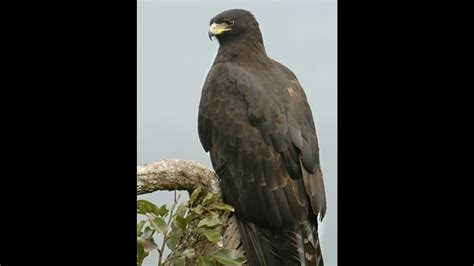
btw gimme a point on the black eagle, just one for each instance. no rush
(256, 123)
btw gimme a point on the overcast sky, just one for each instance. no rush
(175, 54)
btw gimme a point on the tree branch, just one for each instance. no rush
(175, 175)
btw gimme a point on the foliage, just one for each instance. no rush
(199, 217)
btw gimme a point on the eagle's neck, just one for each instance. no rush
(247, 49)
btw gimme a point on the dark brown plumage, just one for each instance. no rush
(255, 121)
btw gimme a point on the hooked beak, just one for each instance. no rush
(216, 29)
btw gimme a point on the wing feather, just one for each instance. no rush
(265, 137)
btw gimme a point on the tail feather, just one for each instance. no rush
(264, 247)
(310, 249)
(258, 245)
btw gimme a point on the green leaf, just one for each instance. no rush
(179, 261)
(147, 233)
(149, 244)
(223, 206)
(209, 222)
(210, 198)
(146, 240)
(205, 261)
(213, 213)
(140, 227)
(198, 209)
(182, 222)
(189, 253)
(175, 228)
(172, 241)
(194, 195)
(162, 211)
(141, 254)
(144, 206)
(229, 257)
(189, 219)
(212, 235)
(159, 224)
(182, 208)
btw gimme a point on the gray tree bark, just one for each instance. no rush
(188, 175)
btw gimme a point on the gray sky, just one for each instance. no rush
(175, 54)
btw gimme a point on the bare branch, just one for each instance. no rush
(175, 175)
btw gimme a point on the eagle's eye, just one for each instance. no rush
(230, 22)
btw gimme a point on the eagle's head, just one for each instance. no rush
(234, 24)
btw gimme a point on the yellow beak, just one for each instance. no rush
(216, 29)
